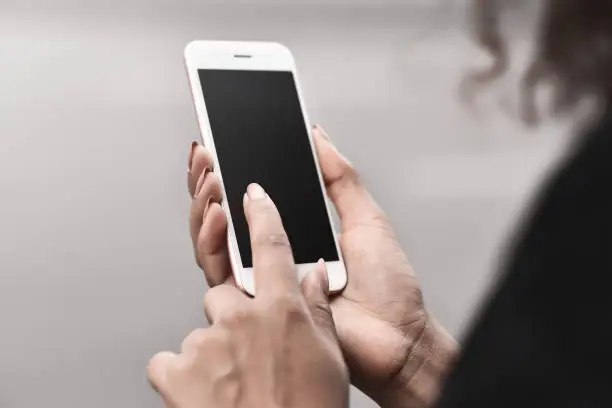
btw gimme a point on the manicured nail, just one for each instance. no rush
(322, 132)
(321, 267)
(201, 180)
(322, 271)
(326, 137)
(255, 192)
(191, 152)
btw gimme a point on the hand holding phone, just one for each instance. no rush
(383, 327)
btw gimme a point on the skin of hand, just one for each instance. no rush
(278, 349)
(396, 353)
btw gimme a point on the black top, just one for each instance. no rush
(544, 339)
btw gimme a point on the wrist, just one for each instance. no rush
(430, 359)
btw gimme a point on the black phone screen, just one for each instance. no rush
(261, 137)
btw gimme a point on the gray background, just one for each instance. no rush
(96, 269)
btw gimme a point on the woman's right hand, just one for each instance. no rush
(396, 353)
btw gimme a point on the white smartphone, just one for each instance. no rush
(252, 119)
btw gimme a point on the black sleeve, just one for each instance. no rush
(545, 337)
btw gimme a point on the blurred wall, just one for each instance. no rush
(96, 269)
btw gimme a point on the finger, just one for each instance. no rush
(273, 265)
(315, 289)
(208, 190)
(157, 372)
(211, 246)
(221, 301)
(350, 197)
(199, 159)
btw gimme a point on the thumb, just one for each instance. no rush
(350, 197)
(315, 288)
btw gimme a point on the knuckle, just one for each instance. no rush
(215, 186)
(382, 219)
(196, 339)
(283, 313)
(273, 263)
(210, 239)
(263, 210)
(213, 295)
(154, 366)
(208, 157)
(321, 313)
(209, 298)
(351, 173)
(217, 341)
(158, 367)
(348, 174)
(241, 312)
(239, 317)
(272, 240)
(288, 305)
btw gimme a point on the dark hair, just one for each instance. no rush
(573, 52)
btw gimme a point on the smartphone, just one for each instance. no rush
(252, 119)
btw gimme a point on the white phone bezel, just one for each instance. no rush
(255, 56)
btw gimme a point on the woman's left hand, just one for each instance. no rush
(278, 349)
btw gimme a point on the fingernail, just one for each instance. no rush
(201, 180)
(326, 137)
(191, 151)
(255, 192)
(322, 270)
(322, 267)
(322, 132)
